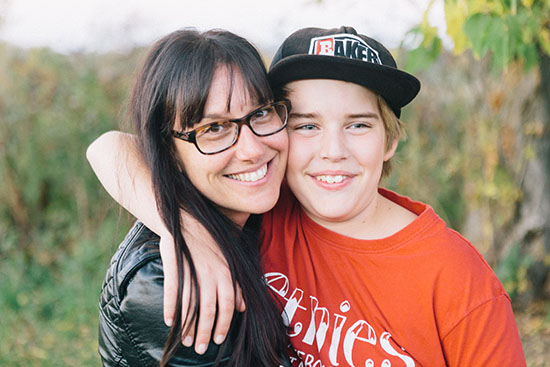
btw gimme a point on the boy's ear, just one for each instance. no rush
(390, 152)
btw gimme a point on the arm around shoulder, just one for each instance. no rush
(116, 161)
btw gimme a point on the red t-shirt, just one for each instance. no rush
(421, 297)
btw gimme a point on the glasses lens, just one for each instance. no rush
(269, 119)
(216, 136)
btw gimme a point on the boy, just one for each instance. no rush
(368, 277)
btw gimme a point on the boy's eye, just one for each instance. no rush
(359, 125)
(305, 127)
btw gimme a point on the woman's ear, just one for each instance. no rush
(390, 152)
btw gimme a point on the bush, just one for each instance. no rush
(58, 227)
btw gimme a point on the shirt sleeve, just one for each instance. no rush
(487, 336)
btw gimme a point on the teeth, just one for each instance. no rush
(331, 179)
(251, 176)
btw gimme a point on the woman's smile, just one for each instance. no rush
(246, 177)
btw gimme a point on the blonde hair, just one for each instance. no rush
(394, 129)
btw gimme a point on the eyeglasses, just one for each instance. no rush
(216, 137)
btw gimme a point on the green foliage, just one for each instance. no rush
(52, 107)
(512, 271)
(507, 130)
(507, 30)
(58, 227)
(49, 316)
(461, 155)
(430, 45)
(426, 54)
(506, 38)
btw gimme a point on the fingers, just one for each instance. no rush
(239, 300)
(168, 256)
(207, 315)
(226, 308)
(218, 299)
(217, 305)
(188, 300)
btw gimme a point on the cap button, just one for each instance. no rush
(348, 30)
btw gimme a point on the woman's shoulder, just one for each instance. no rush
(138, 252)
(131, 305)
(139, 247)
(133, 262)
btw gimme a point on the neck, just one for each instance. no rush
(382, 218)
(362, 225)
(238, 218)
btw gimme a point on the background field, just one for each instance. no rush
(470, 151)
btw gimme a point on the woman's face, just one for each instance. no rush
(246, 178)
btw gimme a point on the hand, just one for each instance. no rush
(128, 180)
(215, 283)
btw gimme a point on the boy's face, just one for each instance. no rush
(336, 151)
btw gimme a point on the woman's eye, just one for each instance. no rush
(214, 129)
(219, 128)
(261, 114)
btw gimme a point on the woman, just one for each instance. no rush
(209, 133)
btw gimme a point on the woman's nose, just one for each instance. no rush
(249, 146)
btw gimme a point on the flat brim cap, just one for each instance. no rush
(342, 54)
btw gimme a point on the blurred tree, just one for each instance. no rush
(509, 32)
(58, 228)
(51, 107)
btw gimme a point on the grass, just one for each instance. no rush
(49, 313)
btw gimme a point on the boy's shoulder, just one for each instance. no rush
(453, 249)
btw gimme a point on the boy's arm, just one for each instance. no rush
(487, 336)
(117, 164)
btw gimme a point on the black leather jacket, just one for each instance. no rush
(131, 327)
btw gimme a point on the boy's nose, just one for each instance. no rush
(333, 146)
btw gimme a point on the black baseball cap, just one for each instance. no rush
(342, 54)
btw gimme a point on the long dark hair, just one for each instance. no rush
(174, 82)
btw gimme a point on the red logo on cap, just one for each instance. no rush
(344, 45)
(324, 46)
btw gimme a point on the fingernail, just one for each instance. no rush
(219, 339)
(201, 349)
(188, 341)
(169, 322)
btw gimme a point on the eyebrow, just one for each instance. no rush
(215, 116)
(302, 115)
(352, 116)
(363, 115)
(221, 117)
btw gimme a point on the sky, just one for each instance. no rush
(106, 25)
